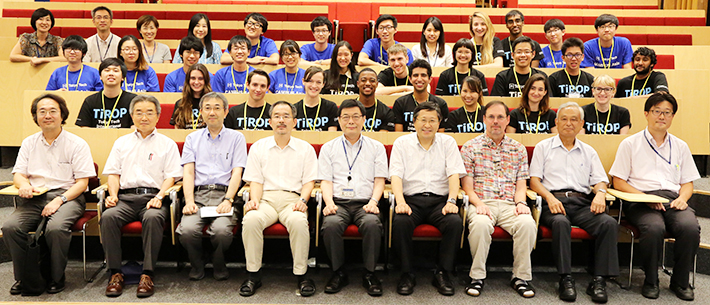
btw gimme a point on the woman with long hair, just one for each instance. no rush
(140, 77)
(186, 114)
(468, 118)
(489, 50)
(450, 80)
(432, 45)
(534, 114)
(200, 27)
(603, 117)
(341, 78)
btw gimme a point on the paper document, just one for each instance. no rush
(208, 212)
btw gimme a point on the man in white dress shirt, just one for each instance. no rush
(103, 44)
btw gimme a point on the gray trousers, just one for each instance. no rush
(26, 218)
(220, 231)
(369, 226)
(132, 207)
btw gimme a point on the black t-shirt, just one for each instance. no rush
(521, 125)
(656, 82)
(447, 82)
(384, 117)
(254, 121)
(619, 118)
(508, 55)
(404, 110)
(341, 90)
(326, 117)
(195, 112)
(386, 77)
(93, 112)
(458, 121)
(560, 86)
(507, 85)
(497, 51)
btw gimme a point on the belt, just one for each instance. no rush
(210, 187)
(569, 193)
(139, 190)
(427, 194)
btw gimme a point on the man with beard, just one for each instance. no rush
(514, 21)
(419, 76)
(645, 81)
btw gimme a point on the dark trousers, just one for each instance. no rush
(26, 218)
(654, 224)
(602, 226)
(132, 207)
(427, 209)
(369, 226)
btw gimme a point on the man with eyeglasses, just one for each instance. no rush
(653, 161)
(403, 109)
(75, 76)
(103, 44)
(190, 49)
(352, 198)
(510, 82)
(638, 83)
(319, 52)
(514, 21)
(254, 113)
(108, 108)
(263, 50)
(378, 117)
(571, 81)
(607, 51)
(555, 33)
(233, 79)
(375, 50)
(141, 167)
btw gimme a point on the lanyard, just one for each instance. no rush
(350, 166)
(470, 125)
(244, 89)
(633, 82)
(456, 77)
(610, 54)
(381, 56)
(98, 48)
(520, 89)
(608, 115)
(125, 82)
(150, 58)
(345, 90)
(475, 53)
(103, 107)
(258, 46)
(196, 120)
(511, 52)
(554, 63)
(245, 114)
(406, 82)
(537, 127)
(670, 148)
(77, 80)
(436, 55)
(295, 78)
(312, 127)
(570, 80)
(374, 117)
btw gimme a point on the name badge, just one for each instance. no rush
(574, 94)
(347, 193)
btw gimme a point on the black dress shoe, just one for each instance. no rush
(56, 287)
(650, 291)
(249, 287)
(567, 291)
(16, 288)
(685, 294)
(306, 287)
(337, 282)
(372, 283)
(597, 289)
(442, 283)
(406, 284)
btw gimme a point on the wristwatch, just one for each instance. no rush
(159, 197)
(601, 191)
(451, 200)
(231, 200)
(63, 198)
(303, 200)
(520, 202)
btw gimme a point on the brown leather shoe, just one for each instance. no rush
(145, 287)
(115, 285)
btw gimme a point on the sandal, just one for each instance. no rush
(249, 287)
(307, 287)
(474, 288)
(523, 287)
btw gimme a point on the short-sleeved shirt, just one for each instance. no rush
(387, 78)
(205, 58)
(649, 167)
(161, 53)
(367, 158)
(56, 165)
(506, 84)
(560, 169)
(374, 50)
(98, 49)
(95, 111)
(424, 170)
(560, 83)
(143, 162)
(379, 117)
(404, 106)
(90, 79)
(348, 85)
(551, 59)
(283, 82)
(653, 83)
(278, 169)
(256, 118)
(141, 81)
(195, 114)
(264, 48)
(229, 80)
(174, 81)
(497, 50)
(609, 122)
(508, 54)
(215, 158)
(432, 55)
(622, 54)
(448, 85)
(529, 123)
(309, 52)
(317, 118)
(463, 121)
(30, 46)
(495, 168)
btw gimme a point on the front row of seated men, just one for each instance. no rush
(282, 170)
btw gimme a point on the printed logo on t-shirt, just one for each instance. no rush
(101, 115)
(611, 128)
(289, 89)
(514, 90)
(637, 92)
(609, 62)
(369, 123)
(530, 127)
(581, 89)
(319, 123)
(252, 123)
(471, 127)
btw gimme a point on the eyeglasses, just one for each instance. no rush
(425, 121)
(284, 117)
(346, 118)
(254, 25)
(43, 113)
(321, 32)
(528, 52)
(294, 55)
(143, 114)
(577, 56)
(608, 27)
(553, 30)
(191, 53)
(99, 17)
(386, 28)
(130, 50)
(72, 50)
(605, 89)
(657, 112)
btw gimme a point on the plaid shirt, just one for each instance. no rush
(495, 168)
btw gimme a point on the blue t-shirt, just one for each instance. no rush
(264, 48)
(552, 59)
(142, 81)
(90, 79)
(373, 48)
(174, 81)
(281, 83)
(623, 54)
(228, 80)
(204, 58)
(309, 52)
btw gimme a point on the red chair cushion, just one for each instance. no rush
(79, 224)
(132, 228)
(351, 231)
(426, 230)
(499, 233)
(276, 229)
